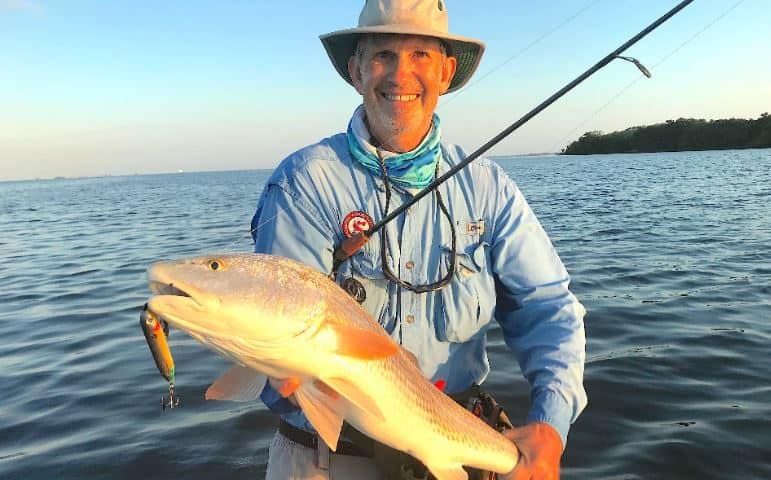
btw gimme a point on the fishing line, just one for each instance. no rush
(351, 245)
(594, 114)
(232, 246)
(259, 226)
(519, 53)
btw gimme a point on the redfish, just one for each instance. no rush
(276, 317)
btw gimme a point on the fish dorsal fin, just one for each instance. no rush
(352, 341)
(448, 472)
(355, 395)
(324, 411)
(238, 384)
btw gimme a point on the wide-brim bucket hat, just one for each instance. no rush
(411, 17)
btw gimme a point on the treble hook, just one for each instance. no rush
(172, 400)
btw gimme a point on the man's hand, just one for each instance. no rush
(540, 449)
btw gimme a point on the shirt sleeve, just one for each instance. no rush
(542, 321)
(287, 225)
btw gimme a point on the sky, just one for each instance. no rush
(91, 88)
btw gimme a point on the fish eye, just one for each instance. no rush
(214, 265)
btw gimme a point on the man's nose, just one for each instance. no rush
(402, 69)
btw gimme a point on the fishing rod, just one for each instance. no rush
(353, 244)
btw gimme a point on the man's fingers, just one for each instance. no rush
(540, 449)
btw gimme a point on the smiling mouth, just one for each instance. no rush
(399, 98)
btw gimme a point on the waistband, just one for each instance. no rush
(360, 444)
(311, 440)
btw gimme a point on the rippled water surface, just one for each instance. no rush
(670, 253)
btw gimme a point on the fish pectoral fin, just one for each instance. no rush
(238, 384)
(354, 395)
(324, 411)
(448, 472)
(361, 343)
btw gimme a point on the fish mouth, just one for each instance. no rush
(162, 282)
(170, 297)
(176, 307)
(161, 288)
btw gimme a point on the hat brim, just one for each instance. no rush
(341, 45)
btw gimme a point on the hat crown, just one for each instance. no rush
(426, 14)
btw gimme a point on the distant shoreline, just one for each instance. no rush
(681, 135)
(717, 149)
(496, 157)
(118, 176)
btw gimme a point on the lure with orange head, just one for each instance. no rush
(156, 332)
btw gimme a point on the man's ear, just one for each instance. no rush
(354, 71)
(448, 72)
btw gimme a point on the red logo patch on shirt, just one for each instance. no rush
(356, 222)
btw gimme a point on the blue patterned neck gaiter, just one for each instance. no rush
(413, 170)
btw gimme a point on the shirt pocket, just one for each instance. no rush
(468, 302)
(364, 268)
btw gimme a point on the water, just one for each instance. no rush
(670, 253)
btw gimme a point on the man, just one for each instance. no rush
(437, 276)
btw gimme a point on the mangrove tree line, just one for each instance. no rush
(678, 135)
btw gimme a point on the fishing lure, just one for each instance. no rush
(156, 332)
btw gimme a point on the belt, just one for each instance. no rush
(311, 440)
(362, 445)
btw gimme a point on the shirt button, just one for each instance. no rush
(410, 265)
(410, 318)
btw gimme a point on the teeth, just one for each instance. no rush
(400, 98)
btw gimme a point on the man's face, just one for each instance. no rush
(400, 78)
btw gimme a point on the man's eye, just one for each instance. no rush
(384, 55)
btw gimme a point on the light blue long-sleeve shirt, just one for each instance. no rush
(507, 270)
